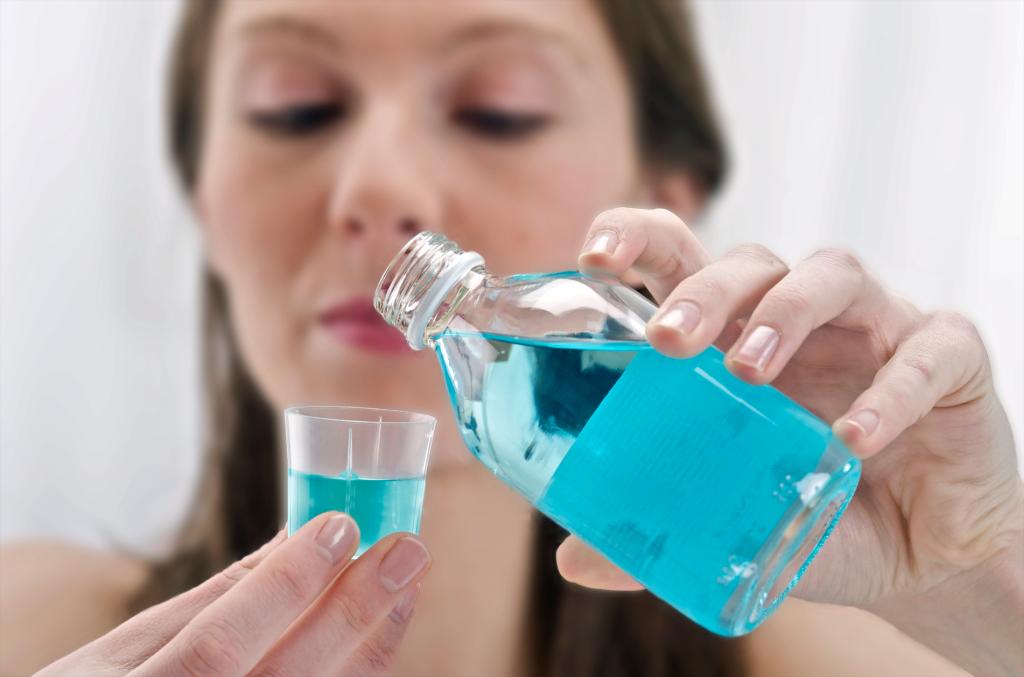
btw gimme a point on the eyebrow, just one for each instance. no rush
(481, 31)
(284, 25)
(494, 28)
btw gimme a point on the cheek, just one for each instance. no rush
(260, 228)
(258, 231)
(533, 216)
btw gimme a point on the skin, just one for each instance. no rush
(221, 627)
(936, 525)
(294, 222)
(335, 206)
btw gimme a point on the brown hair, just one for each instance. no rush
(573, 631)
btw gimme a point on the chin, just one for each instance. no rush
(351, 376)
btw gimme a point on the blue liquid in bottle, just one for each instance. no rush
(647, 459)
(713, 493)
(379, 506)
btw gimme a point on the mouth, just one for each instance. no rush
(355, 323)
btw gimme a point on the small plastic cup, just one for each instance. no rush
(368, 463)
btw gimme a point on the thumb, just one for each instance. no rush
(579, 563)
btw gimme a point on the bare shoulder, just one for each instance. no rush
(811, 640)
(55, 597)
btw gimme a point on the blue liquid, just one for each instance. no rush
(379, 506)
(677, 471)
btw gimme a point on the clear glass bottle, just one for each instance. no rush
(713, 493)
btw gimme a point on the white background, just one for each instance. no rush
(891, 128)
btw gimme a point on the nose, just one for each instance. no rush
(381, 196)
(355, 226)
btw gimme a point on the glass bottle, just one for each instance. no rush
(713, 493)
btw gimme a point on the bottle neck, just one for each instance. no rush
(448, 309)
(424, 283)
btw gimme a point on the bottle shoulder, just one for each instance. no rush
(564, 307)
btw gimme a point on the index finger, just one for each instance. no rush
(232, 634)
(357, 623)
(142, 635)
(655, 243)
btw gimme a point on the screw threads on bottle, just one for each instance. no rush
(416, 281)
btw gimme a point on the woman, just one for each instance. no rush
(314, 139)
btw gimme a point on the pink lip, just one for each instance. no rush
(356, 323)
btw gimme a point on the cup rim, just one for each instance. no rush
(322, 412)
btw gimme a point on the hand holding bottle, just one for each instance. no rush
(295, 606)
(935, 535)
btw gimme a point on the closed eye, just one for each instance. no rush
(500, 125)
(297, 120)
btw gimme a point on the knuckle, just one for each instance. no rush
(959, 324)
(962, 340)
(623, 218)
(235, 573)
(143, 623)
(669, 223)
(787, 302)
(705, 286)
(350, 614)
(617, 218)
(841, 258)
(377, 655)
(287, 580)
(214, 651)
(663, 265)
(249, 562)
(920, 368)
(666, 217)
(759, 254)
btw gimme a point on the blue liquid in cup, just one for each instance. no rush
(379, 506)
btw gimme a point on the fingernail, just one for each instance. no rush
(759, 347)
(403, 610)
(865, 419)
(336, 537)
(683, 316)
(406, 558)
(603, 242)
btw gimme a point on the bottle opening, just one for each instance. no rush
(417, 281)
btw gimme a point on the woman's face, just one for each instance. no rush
(336, 130)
